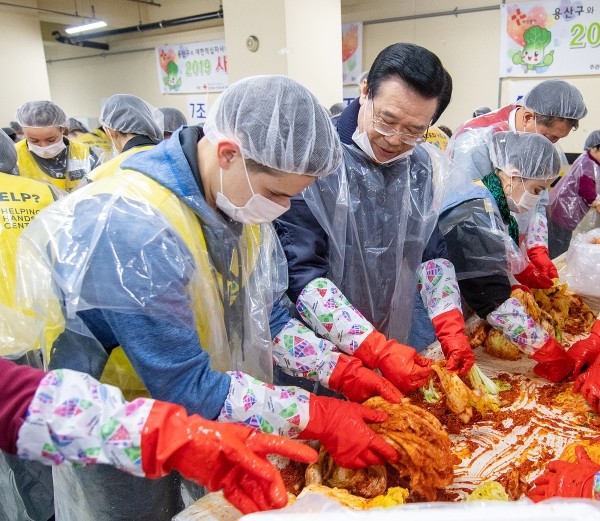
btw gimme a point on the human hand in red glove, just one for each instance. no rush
(522, 287)
(357, 383)
(566, 479)
(532, 277)
(553, 362)
(400, 364)
(328, 312)
(540, 258)
(450, 330)
(588, 384)
(219, 456)
(584, 352)
(340, 427)
(299, 352)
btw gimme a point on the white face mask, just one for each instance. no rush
(47, 152)
(113, 148)
(528, 201)
(257, 210)
(362, 141)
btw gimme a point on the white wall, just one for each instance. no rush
(22, 62)
(285, 30)
(271, 37)
(315, 39)
(467, 44)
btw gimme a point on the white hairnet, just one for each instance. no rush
(8, 154)
(41, 114)
(524, 154)
(173, 118)
(278, 123)
(129, 114)
(592, 141)
(555, 98)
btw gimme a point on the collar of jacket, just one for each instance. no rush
(138, 141)
(347, 121)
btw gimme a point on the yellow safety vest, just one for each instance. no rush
(118, 370)
(78, 158)
(203, 287)
(437, 137)
(114, 164)
(20, 201)
(96, 138)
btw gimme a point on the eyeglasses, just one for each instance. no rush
(385, 129)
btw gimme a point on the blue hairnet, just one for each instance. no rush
(74, 124)
(8, 154)
(129, 114)
(592, 141)
(173, 119)
(41, 114)
(556, 98)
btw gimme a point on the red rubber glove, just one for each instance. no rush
(540, 258)
(584, 352)
(553, 362)
(565, 479)
(534, 278)
(450, 330)
(340, 427)
(400, 364)
(357, 383)
(219, 456)
(588, 384)
(521, 287)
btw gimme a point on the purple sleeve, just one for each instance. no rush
(587, 189)
(17, 387)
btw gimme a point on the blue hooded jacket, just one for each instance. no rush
(161, 341)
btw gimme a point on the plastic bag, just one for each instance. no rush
(582, 271)
(588, 223)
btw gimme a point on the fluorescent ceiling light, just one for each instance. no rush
(88, 26)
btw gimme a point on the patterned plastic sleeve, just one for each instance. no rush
(512, 319)
(438, 287)
(537, 231)
(328, 312)
(596, 487)
(299, 352)
(265, 407)
(74, 418)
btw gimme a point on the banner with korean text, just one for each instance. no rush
(550, 38)
(192, 67)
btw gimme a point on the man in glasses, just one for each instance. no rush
(367, 236)
(552, 108)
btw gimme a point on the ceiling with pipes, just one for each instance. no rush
(57, 15)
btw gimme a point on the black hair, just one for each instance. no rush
(416, 66)
(547, 121)
(10, 132)
(446, 130)
(255, 167)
